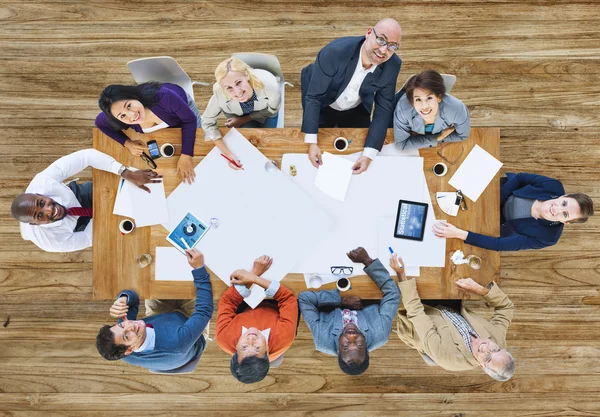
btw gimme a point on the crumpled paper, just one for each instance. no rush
(458, 258)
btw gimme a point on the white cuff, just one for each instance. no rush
(242, 290)
(272, 290)
(370, 153)
(310, 138)
(212, 135)
(115, 167)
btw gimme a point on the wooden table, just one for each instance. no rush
(114, 266)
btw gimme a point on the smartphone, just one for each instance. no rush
(153, 149)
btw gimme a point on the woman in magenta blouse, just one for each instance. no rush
(146, 108)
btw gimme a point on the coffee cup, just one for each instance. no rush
(126, 226)
(167, 150)
(440, 169)
(343, 284)
(340, 144)
(315, 281)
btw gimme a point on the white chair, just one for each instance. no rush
(449, 81)
(163, 69)
(268, 63)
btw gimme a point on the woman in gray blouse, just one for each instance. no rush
(425, 115)
(247, 97)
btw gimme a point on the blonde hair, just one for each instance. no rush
(234, 64)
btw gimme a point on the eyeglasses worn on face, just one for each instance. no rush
(382, 42)
(342, 270)
(146, 158)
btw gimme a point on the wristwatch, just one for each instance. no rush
(121, 170)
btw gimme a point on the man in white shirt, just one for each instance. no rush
(348, 76)
(57, 217)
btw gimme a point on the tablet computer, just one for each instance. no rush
(410, 220)
(188, 232)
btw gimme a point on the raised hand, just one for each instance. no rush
(119, 308)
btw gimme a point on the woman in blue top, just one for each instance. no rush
(533, 211)
(146, 108)
(425, 115)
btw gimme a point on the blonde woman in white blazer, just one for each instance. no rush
(247, 97)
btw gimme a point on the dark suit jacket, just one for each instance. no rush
(324, 81)
(526, 233)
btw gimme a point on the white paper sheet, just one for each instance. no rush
(259, 212)
(123, 204)
(147, 208)
(475, 173)
(333, 177)
(171, 265)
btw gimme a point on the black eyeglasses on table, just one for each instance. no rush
(146, 158)
(454, 161)
(342, 270)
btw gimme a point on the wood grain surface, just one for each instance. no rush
(529, 68)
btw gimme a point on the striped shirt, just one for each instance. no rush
(463, 326)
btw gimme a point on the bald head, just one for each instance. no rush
(381, 42)
(391, 27)
(36, 209)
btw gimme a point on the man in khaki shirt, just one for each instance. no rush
(457, 340)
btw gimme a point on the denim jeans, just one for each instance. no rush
(270, 122)
(194, 108)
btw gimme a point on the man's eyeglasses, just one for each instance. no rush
(342, 270)
(382, 42)
(146, 158)
(445, 158)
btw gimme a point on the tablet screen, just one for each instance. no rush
(410, 220)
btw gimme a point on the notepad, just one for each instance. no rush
(333, 177)
(475, 173)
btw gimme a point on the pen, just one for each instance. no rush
(392, 252)
(185, 243)
(232, 161)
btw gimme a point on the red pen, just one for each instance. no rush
(232, 161)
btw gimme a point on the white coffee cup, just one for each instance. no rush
(126, 226)
(167, 150)
(340, 144)
(343, 284)
(315, 281)
(440, 169)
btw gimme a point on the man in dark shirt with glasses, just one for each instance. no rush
(348, 76)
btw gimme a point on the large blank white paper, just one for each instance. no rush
(372, 194)
(333, 177)
(259, 212)
(392, 150)
(475, 173)
(171, 265)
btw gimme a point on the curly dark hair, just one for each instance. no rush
(105, 343)
(354, 367)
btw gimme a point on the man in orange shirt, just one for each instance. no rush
(260, 336)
